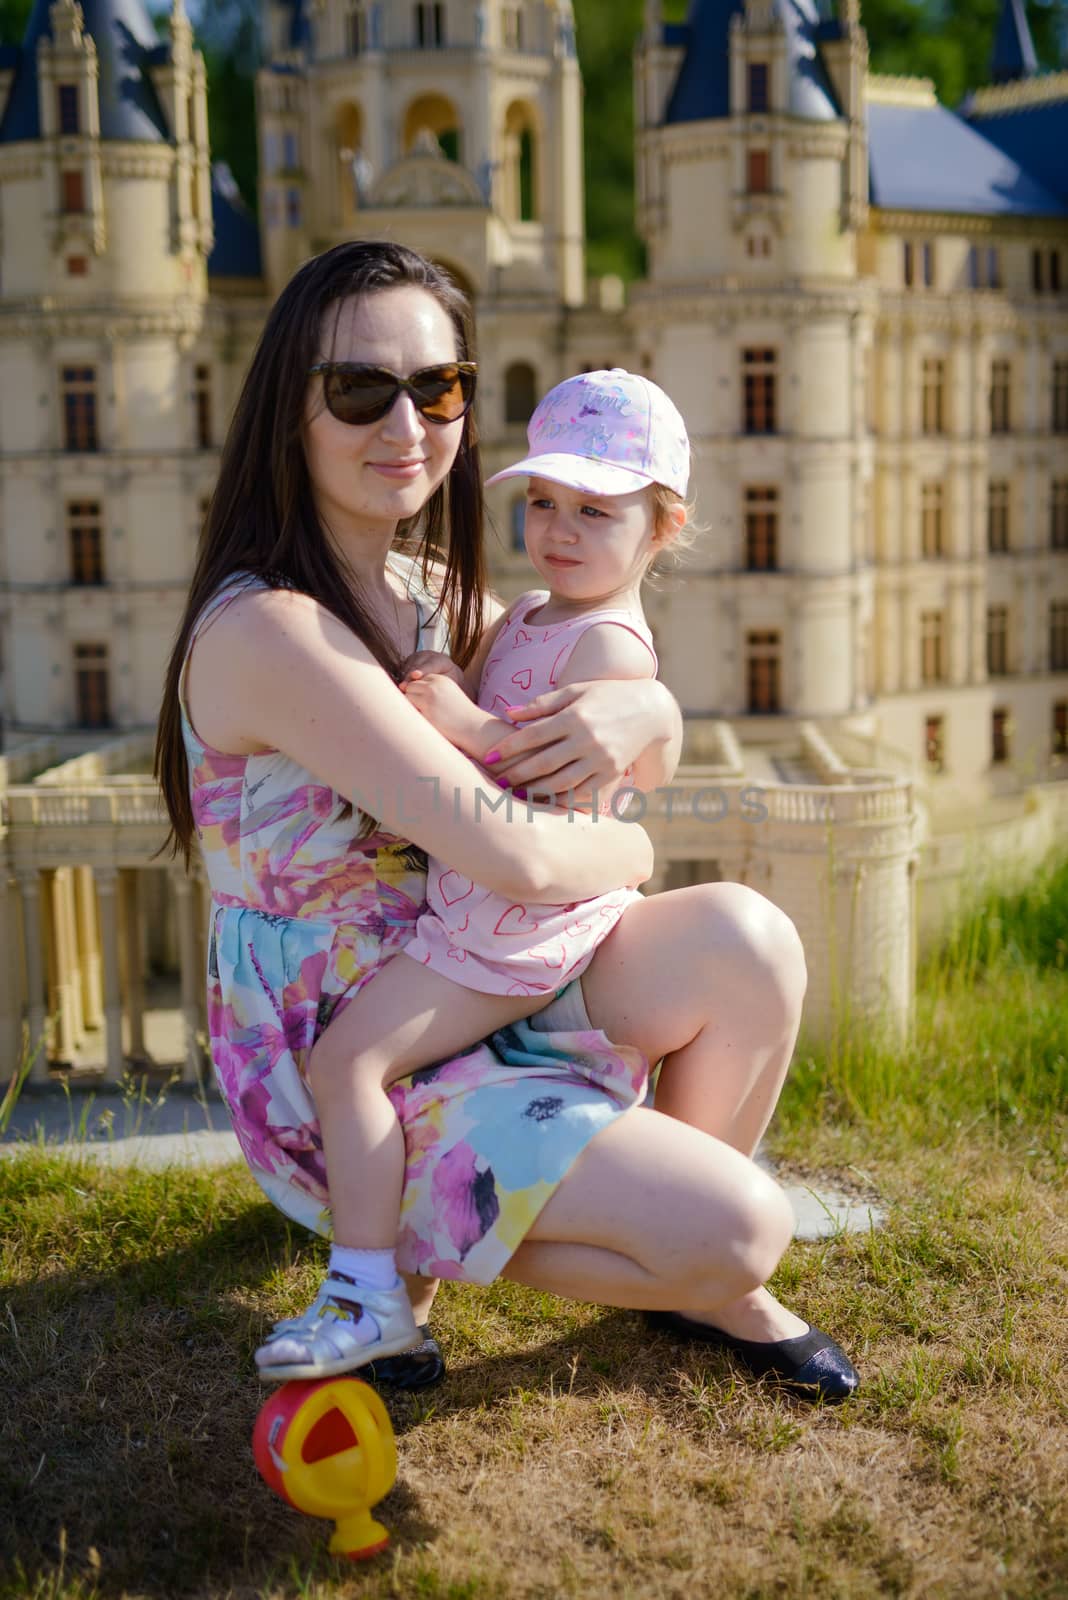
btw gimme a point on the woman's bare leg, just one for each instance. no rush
(655, 1214)
(711, 978)
(406, 1017)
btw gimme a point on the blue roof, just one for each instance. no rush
(925, 158)
(1034, 136)
(125, 40)
(236, 253)
(1014, 50)
(702, 89)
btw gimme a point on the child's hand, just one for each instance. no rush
(444, 704)
(431, 661)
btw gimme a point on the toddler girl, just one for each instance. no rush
(608, 465)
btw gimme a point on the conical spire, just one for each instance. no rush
(125, 40)
(1014, 50)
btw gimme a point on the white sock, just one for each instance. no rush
(368, 1269)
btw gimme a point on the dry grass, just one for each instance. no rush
(570, 1452)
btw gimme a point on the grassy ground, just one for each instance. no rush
(570, 1453)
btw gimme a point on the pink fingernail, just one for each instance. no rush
(520, 794)
(511, 710)
(492, 759)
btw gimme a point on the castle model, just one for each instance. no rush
(858, 298)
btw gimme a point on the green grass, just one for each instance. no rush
(571, 1453)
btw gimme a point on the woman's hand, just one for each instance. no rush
(585, 736)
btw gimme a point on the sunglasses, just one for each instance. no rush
(356, 393)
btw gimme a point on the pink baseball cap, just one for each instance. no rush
(610, 432)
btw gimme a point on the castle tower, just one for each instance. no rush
(752, 183)
(454, 126)
(103, 133)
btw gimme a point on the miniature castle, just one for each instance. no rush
(858, 297)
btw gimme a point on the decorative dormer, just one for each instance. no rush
(68, 80)
(353, 90)
(181, 82)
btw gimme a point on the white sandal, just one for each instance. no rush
(320, 1342)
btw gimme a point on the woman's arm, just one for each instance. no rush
(276, 671)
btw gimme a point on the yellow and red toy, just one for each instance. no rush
(326, 1445)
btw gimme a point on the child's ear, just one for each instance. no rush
(670, 524)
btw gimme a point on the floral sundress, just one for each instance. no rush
(303, 914)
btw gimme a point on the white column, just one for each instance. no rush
(107, 883)
(30, 889)
(89, 941)
(184, 887)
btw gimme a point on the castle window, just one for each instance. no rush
(932, 647)
(1038, 275)
(758, 245)
(1055, 271)
(933, 417)
(92, 694)
(1058, 636)
(999, 735)
(356, 30)
(759, 375)
(290, 152)
(77, 266)
(518, 514)
(78, 404)
(1058, 514)
(984, 268)
(997, 516)
(429, 25)
(202, 407)
(934, 739)
(763, 658)
(997, 641)
(758, 86)
(67, 105)
(512, 27)
(1000, 395)
(932, 543)
(73, 187)
(85, 542)
(761, 529)
(293, 208)
(758, 171)
(520, 392)
(918, 264)
(1059, 741)
(1060, 397)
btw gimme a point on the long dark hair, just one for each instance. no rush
(263, 519)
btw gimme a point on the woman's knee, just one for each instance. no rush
(753, 943)
(753, 1236)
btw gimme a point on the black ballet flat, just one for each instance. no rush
(811, 1366)
(418, 1368)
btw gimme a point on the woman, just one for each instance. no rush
(282, 719)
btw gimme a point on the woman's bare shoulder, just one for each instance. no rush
(264, 640)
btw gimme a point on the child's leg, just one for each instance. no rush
(405, 1018)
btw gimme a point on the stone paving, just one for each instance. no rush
(158, 1128)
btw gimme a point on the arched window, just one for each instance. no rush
(440, 117)
(520, 176)
(350, 161)
(520, 392)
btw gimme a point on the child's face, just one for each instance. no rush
(590, 547)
